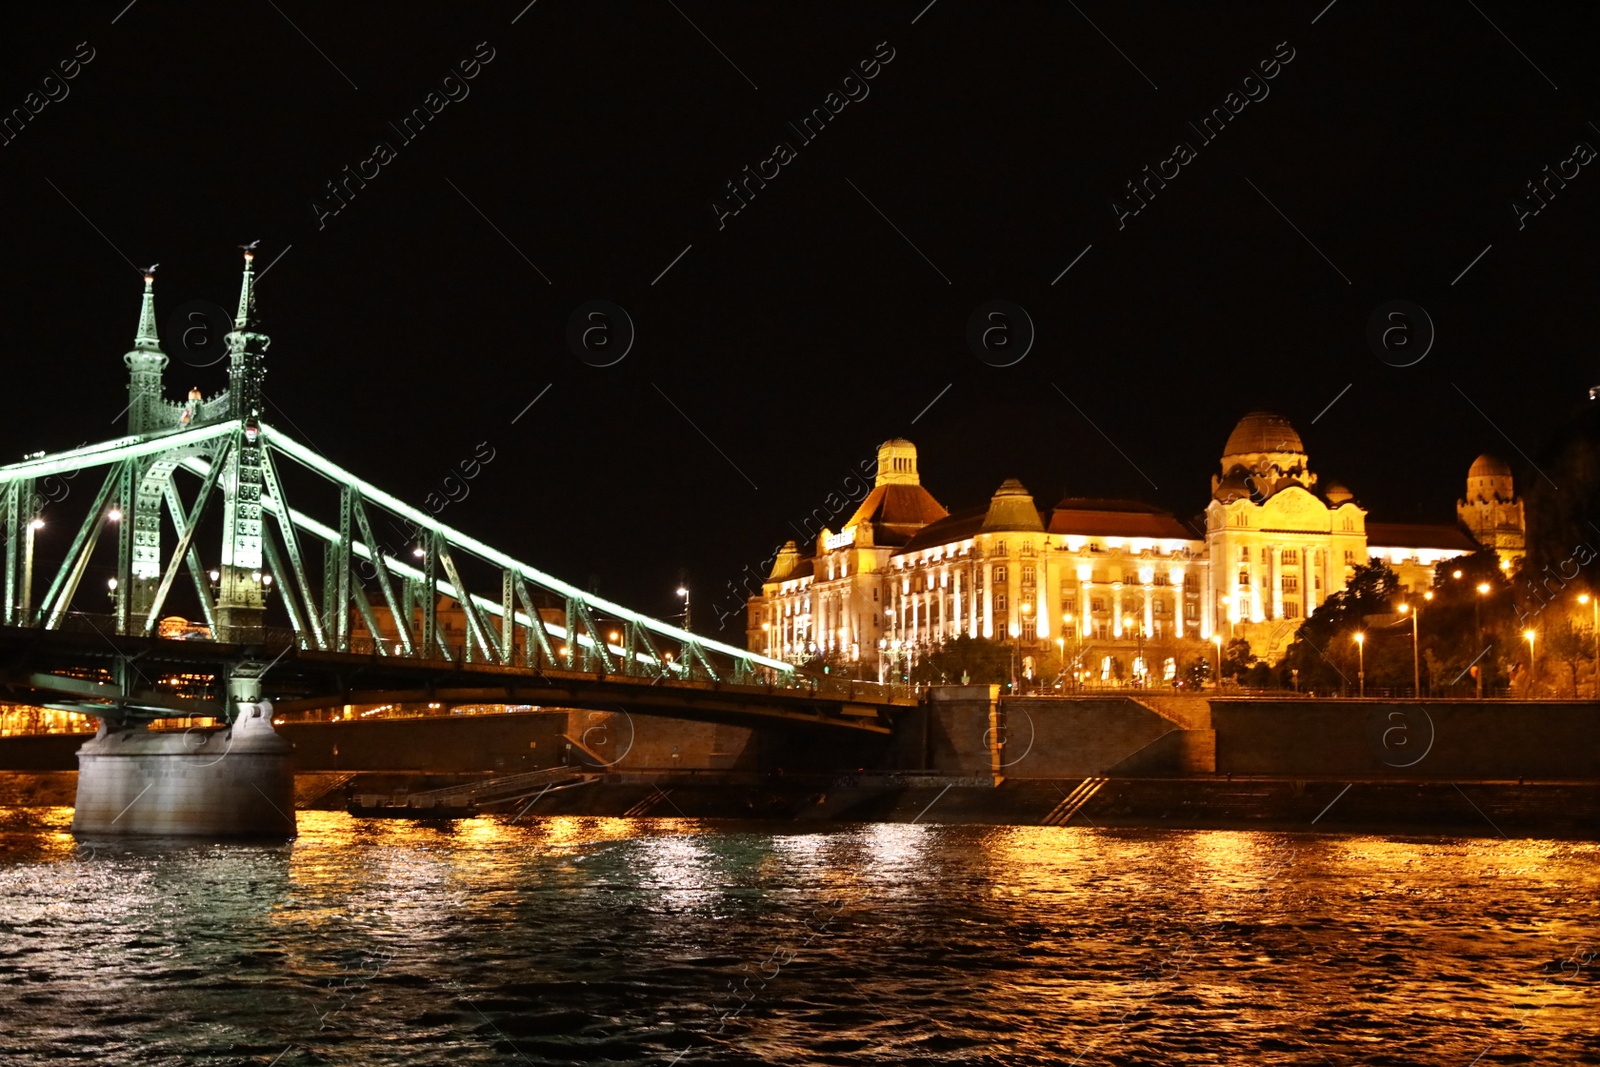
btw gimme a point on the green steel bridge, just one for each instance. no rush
(305, 605)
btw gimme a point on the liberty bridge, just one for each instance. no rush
(365, 618)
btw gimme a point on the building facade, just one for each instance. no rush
(1121, 582)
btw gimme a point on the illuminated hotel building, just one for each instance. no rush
(905, 574)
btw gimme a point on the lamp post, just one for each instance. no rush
(1477, 622)
(1216, 639)
(1361, 659)
(1532, 662)
(1416, 660)
(1016, 641)
(1594, 603)
(1143, 673)
(683, 591)
(1068, 621)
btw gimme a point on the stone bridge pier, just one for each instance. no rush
(228, 781)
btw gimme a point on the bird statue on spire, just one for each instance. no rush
(251, 247)
(151, 269)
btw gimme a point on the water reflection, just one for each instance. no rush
(598, 939)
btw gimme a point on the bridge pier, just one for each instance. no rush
(233, 781)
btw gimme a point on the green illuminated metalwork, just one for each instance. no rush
(519, 619)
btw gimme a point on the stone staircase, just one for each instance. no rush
(1185, 712)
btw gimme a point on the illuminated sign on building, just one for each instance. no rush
(839, 540)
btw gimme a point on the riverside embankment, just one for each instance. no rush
(969, 755)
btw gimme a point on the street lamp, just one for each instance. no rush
(1585, 598)
(1416, 662)
(1361, 670)
(683, 591)
(1216, 639)
(1532, 662)
(1477, 622)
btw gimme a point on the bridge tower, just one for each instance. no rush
(137, 494)
(241, 599)
(145, 363)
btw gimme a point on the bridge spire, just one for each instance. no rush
(247, 348)
(145, 363)
(246, 315)
(146, 340)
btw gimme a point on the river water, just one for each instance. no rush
(677, 941)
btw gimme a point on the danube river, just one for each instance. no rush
(673, 941)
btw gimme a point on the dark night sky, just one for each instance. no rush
(407, 329)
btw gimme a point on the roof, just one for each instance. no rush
(803, 569)
(1487, 466)
(1262, 431)
(897, 512)
(1419, 535)
(958, 527)
(1116, 518)
(1012, 508)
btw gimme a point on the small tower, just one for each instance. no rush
(1491, 511)
(897, 463)
(145, 363)
(241, 599)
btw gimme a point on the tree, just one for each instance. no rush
(983, 661)
(1195, 672)
(1323, 650)
(1570, 645)
(1563, 511)
(1237, 658)
(1464, 628)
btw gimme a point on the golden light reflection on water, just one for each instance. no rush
(1032, 944)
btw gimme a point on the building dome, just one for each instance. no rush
(1489, 480)
(1487, 466)
(1262, 432)
(1338, 494)
(1011, 508)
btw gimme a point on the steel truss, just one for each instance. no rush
(373, 598)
